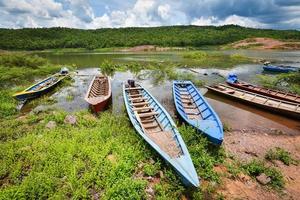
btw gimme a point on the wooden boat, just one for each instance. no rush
(99, 93)
(196, 111)
(286, 108)
(280, 68)
(234, 82)
(156, 126)
(39, 88)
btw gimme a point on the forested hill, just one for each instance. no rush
(180, 36)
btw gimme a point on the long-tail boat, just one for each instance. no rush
(39, 88)
(156, 126)
(99, 93)
(233, 81)
(282, 107)
(196, 111)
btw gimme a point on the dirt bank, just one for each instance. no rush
(265, 44)
(246, 146)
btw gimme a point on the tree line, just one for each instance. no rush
(173, 36)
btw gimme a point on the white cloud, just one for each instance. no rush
(164, 11)
(81, 14)
(233, 19)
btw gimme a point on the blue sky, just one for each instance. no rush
(92, 14)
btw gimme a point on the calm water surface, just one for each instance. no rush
(239, 116)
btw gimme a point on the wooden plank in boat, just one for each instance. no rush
(148, 114)
(136, 88)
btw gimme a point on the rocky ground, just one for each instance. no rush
(246, 146)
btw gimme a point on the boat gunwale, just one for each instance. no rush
(216, 117)
(105, 97)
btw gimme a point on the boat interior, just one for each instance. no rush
(191, 103)
(153, 121)
(256, 98)
(99, 87)
(44, 84)
(287, 95)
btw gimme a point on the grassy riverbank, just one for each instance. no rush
(289, 82)
(18, 68)
(103, 157)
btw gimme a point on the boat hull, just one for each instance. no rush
(278, 69)
(27, 95)
(101, 106)
(209, 123)
(99, 93)
(273, 109)
(182, 162)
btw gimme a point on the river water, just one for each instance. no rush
(237, 115)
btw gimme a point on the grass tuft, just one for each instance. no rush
(280, 154)
(256, 167)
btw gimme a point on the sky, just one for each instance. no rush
(93, 14)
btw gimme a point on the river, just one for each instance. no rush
(237, 115)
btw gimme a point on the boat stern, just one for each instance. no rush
(22, 95)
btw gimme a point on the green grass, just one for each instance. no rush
(18, 69)
(7, 104)
(278, 153)
(216, 59)
(257, 167)
(204, 155)
(287, 81)
(73, 161)
(226, 127)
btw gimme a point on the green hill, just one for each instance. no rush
(179, 36)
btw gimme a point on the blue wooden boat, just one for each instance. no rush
(39, 88)
(156, 126)
(280, 68)
(196, 111)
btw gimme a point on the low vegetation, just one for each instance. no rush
(216, 59)
(98, 156)
(278, 153)
(7, 104)
(257, 167)
(17, 68)
(287, 81)
(156, 72)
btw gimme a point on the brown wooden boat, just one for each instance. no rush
(99, 93)
(286, 108)
(286, 96)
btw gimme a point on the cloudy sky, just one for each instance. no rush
(92, 14)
